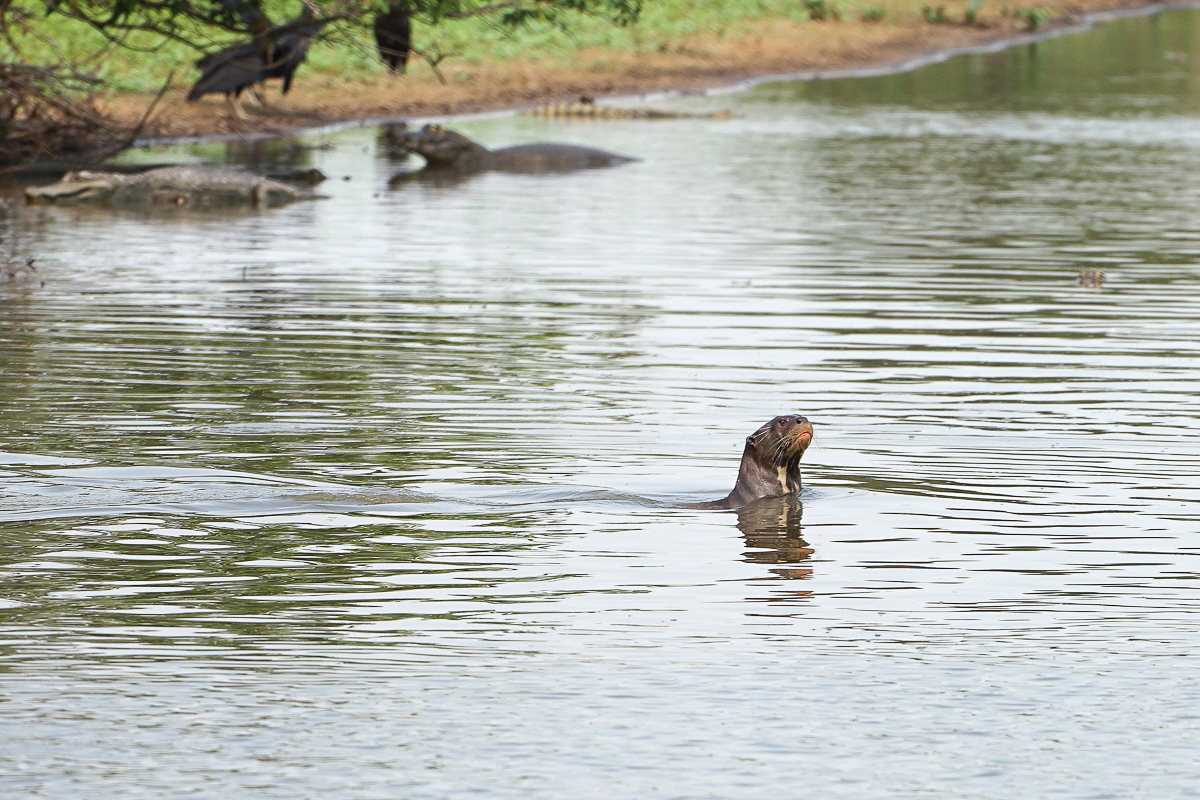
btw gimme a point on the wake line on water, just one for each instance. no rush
(41, 494)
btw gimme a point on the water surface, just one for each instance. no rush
(372, 497)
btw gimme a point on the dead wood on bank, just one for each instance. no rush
(50, 112)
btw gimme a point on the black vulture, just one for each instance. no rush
(393, 35)
(242, 65)
(230, 71)
(290, 50)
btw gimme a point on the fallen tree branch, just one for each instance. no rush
(51, 112)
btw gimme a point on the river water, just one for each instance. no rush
(372, 497)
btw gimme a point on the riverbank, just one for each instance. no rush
(699, 61)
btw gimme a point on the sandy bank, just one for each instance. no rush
(769, 47)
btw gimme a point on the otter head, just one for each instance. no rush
(770, 464)
(442, 149)
(782, 440)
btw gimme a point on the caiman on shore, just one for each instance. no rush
(188, 187)
(586, 108)
(449, 152)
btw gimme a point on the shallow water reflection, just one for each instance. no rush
(375, 496)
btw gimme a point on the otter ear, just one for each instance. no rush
(750, 440)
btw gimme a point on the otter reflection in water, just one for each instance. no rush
(774, 536)
(770, 463)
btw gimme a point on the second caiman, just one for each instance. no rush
(586, 108)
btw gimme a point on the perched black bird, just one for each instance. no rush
(290, 50)
(242, 65)
(230, 71)
(393, 35)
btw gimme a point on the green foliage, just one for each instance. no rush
(822, 9)
(345, 49)
(166, 16)
(934, 14)
(1035, 17)
(972, 13)
(135, 44)
(193, 22)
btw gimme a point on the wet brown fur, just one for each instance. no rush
(449, 151)
(770, 463)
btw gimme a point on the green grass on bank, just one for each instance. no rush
(665, 25)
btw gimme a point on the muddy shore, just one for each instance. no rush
(774, 47)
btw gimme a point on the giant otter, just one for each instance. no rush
(447, 151)
(770, 463)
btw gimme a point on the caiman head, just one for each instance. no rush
(82, 186)
(441, 149)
